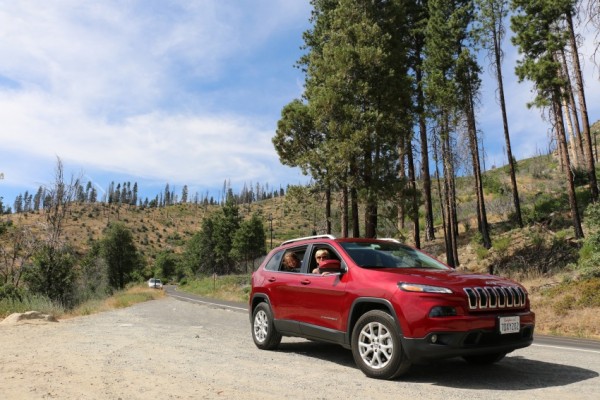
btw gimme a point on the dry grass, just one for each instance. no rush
(122, 299)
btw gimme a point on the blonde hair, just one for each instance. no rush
(324, 252)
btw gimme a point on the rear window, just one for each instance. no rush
(274, 262)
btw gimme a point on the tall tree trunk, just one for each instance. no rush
(450, 203)
(584, 114)
(571, 135)
(482, 221)
(441, 200)
(402, 175)
(425, 175)
(415, 200)
(573, 108)
(562, 142)
(328, 208)
(355, 218)
(344, 208)
(511, 161)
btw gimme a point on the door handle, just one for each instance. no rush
(272, 279)
(305, 282)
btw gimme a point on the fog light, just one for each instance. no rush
(434, 338)
(442, 311)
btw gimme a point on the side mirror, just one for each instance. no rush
(331, 266)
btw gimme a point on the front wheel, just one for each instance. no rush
(264, 334)
(376, 346)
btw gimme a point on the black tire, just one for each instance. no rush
(484, 359)
(376, 346)
(264, 334)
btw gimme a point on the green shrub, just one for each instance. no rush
(30, 302)
(493, 184)
(580, 177)
(590, 293)
(544, 206)
(590, 267)
(501, 245)
(11, 292)
(565, 304)
(592, 215)
(481, 252)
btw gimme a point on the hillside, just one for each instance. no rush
(538, 255)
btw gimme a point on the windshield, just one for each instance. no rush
(389, 255)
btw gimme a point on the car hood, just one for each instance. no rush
(446, 278)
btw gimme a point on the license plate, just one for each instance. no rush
(510, 325)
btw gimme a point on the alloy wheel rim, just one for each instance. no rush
(261, 326)
(375, 345)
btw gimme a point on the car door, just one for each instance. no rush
(320, 300)
(283, 286)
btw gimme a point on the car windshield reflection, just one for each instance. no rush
(389, 255)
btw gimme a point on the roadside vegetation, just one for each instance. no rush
(228, 287)
(119, 299)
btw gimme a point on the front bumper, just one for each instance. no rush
(439, 345)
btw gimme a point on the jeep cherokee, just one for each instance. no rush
(391, 304)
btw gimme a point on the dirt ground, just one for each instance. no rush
(171, 349)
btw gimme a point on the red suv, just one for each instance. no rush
(391, 304)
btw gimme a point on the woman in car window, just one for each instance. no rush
(291, 262)
(320, 256)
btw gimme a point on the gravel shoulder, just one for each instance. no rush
(171, 349)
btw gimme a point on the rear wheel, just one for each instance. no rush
(376, 346)
(484, 359)
(264, 333)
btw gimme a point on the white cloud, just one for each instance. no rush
(144, 88)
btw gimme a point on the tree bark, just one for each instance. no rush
(562, 142)
(482, 221)
(328, 208)
(425, 175)
(573, 110)
(450, 198)
(584, 114)
(402, 175)
(344, 219)
(413, 190)
(355, 218)
(509, 156)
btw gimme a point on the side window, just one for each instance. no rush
(292, 259)
(275, 261)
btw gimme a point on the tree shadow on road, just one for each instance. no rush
(512, 373)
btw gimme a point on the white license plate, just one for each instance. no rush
(510, 325)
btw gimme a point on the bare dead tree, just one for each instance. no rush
(16, 247)
(60, 196)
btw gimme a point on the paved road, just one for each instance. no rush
(182, 347)
(592, 346)
(552, 368)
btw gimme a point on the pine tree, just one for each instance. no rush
(539, 35)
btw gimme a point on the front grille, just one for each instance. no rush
(496, 297)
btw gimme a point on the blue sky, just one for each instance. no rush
(178, 92)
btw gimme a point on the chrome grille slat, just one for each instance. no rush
(495, 297)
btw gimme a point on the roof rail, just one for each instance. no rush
(308, 237)
(390, 240)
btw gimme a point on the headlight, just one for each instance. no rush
(413, 287)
